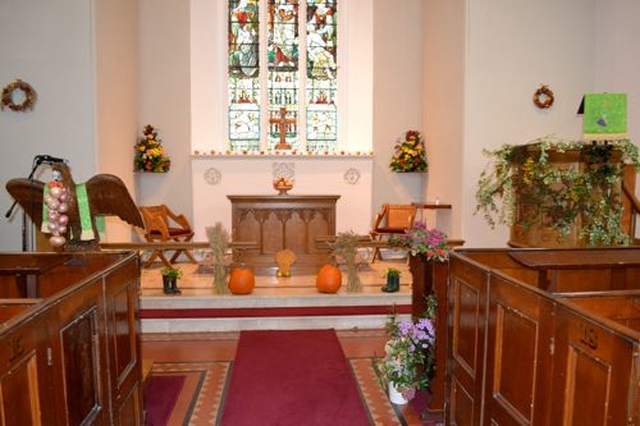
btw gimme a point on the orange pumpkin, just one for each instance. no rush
(329, 279)
(241, 280)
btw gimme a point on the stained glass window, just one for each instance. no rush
(322, 73)
(299, 107)
(244, 75)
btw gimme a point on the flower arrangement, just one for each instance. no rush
(410, 154)
(171, 272)
(149, 153)
(409, 353)
(419, 240)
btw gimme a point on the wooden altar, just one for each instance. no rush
(279, 222)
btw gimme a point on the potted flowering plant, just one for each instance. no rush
(393, 280)
(410, 154)
(409, 356)
(149, 153)
(421, 241)
(170, 277)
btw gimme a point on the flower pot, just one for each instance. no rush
(393, 284)
(395, 396)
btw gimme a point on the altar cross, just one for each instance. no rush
(282, 121)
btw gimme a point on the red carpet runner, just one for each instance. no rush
(292, 377)
(160, 396)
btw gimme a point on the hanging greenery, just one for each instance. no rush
(529, 185)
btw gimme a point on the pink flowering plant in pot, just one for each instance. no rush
(409, 357)
(421, 241)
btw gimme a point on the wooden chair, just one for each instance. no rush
(162, 225)
(393, 219)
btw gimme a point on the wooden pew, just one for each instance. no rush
(69, 347)
(531, 337)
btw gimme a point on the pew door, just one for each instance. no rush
(595, 373)
(519, 354)
(467, 316)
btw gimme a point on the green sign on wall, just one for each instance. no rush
(605, 116)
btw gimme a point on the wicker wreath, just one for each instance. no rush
(543, 97)
(29, 96)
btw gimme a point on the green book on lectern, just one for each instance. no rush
(605, 116)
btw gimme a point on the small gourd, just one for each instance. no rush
(329, 279)
(241, 280)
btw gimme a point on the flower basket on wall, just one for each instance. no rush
(149, 154)
(410, 154)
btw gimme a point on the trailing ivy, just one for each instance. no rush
(556, 194)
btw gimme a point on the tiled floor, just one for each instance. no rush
(172, 352)
(211, 353)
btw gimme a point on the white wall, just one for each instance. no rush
(513, 48)
(397, 97)
(48, 44)
(116, 58)
(503, 49)
(312, 176)
(617, 67)
(164, 99)
(444, 94)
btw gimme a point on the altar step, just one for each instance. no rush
(275, 303)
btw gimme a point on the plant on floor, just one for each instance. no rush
(393, 280)
(170, 277)
(409, 358)
(171, 272)
(219, 242)
(392, 272)
(346, 246)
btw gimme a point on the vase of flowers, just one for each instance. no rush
(410, 155)
(409, 357)
(149, 153)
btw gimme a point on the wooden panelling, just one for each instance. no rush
(538, 357)
(283, 222)
(467, 310)
(58, 351)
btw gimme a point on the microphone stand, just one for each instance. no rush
(25, 248)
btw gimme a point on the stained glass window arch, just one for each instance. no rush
(275, 102)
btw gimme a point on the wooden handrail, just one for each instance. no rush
(635, 207)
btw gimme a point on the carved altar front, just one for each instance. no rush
(279, 222)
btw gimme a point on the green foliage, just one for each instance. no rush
(171, 272)
(392, 272)
(558, 195)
